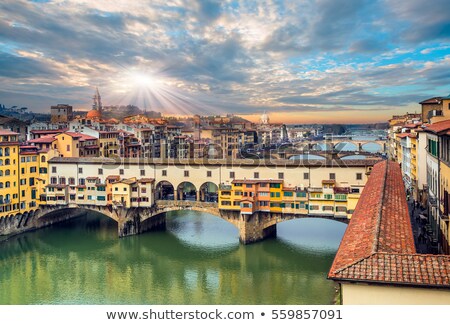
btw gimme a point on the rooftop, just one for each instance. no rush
(434, 100)
(438, 127)
(220, 162)
(378, 245)
(7, 132)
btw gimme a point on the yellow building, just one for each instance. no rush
(445, 191)
(68, 144)
(272, 196)
(121, 192)
(28, 178)
(9, 169)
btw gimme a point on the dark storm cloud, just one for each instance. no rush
(424, 20)
(12, 66)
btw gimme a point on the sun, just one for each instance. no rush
(143, 80)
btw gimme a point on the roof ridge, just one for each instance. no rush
(354, 263)
(380, 211)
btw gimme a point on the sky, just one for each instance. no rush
(305, 61)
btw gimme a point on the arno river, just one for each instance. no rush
(197, 260)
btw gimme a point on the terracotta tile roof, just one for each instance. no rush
(46, 139)
(7, 132)
(47, 131)
(434, 100)
(402, 135)
(378, 245)
(146, 180)
(439, 127)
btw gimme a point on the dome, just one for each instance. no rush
(93, 114)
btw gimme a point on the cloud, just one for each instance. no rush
(224, 56)
(12, 66)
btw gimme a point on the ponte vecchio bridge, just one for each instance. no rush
(137, 194)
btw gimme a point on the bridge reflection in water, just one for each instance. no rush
(197, 261)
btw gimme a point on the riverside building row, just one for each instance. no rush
(420, 143)
(331, 190)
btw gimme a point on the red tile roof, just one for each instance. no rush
(47, 131)
(434, 100)
(378, 245)
(402, 135)
(438, 127)
(47, 139)
(7, 132)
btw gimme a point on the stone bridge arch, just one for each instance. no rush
(209, 192)
(164, 190)
(339, 146)
(187, 191)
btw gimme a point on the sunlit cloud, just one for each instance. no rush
(296, 59)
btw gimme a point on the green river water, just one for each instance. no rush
(197, 260)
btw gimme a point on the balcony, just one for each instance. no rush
(224, 187)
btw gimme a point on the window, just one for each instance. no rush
(31, 181)
(22, 170)
(328, 196)
(340, 197)
(288, 194)
(43, 159)
(255, 175)
(301, 194)
(164, 172)
(142, 172)
(100, 171)
(232, 175)
(121, 171)
(89, 197)
(280, 175)
(101, 198)
(225, 202)
(53, 180)
(263, 193)
(332, 176)
(275, 194)
(313, 207)
(116, 189)
(208, 173)
(248, 185)
(134, 189)
(71, 181)
(305, 175)
(53, 169)
(68, 147)
(82, 181)
(341, 209)
(32, 169)
(275, 185)
(186, 173)
(80, 170)
(359, 176)
(22, 159)
(327, 208)
(354, 190)
(62, 180)
(143, 190)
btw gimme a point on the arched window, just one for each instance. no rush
(1, 185)
(43, 159)
(1, 172)
(8, 197)
(7, 184)
(62, 180)
(1, 152)
(1, 162)
(7, 162)
(7, 172)
(1, 199)
(71, 181)
(6, 151)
